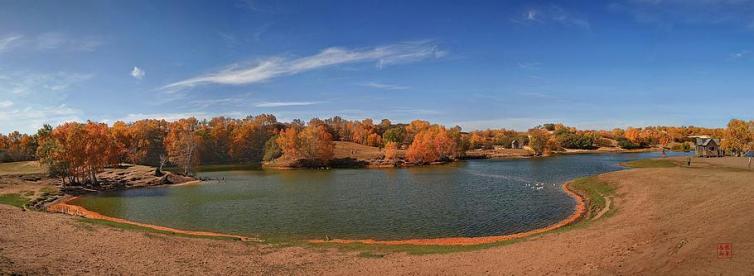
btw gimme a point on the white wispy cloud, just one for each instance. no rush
(529, 65)
(24, 83)
(551, 14)
(8, 42)
(31, 99)
(274, 67)
(55, 40)
(385, 86)
(740, 54)
(163, 116)
(137, 73)
(49, 41)
(666, 14)
(31, 118)
(281, 104)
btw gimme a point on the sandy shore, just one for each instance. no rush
(63, 206)
(668, 221)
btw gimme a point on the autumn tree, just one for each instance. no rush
(391, 151)
(738, 137)
(539, 141)
(101, 149)
(181, 145)
(147, 144)
(287, 141)
(413, 128)
(394, 134)
(271, 149)
(80, 151)
(315, 143)
(431, 144)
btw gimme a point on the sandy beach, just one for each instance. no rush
(668, 221)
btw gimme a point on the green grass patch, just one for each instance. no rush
(24, 167)
(595, 192)
(132, 227)
(50, 190)
(651, 163)
(14, 200)
(373, 250)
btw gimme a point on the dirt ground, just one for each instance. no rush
(668, 221)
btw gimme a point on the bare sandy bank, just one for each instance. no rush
(668, 221)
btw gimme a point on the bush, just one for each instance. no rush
(603, 142)
(627, 144)
(271, 149)
(576, 141)
(684, 147)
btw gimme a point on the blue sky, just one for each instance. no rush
(591, 64)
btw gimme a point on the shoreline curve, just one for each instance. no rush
(63, 206)
(577, 214)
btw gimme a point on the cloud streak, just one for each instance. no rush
(274, 67)
(29, 119)
(283, 104)
(9, 42)
(551, 14)
(385, 86)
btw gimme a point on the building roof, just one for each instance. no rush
(705, 141)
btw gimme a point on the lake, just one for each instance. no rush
(464, 199)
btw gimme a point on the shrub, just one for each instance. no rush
(627, 144)
(271, 149)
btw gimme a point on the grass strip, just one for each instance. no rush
(16, 200)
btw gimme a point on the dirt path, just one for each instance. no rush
(668, 221)
(602, 212)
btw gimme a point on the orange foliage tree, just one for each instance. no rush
(181, 144)
(315, 143)
(82, 150)
(391, 151)
(431, 144)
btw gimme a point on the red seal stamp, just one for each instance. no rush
(725, 250)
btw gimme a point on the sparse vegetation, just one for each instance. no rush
(595, 192)
(17, 200)
(651, 163)
(131, 227)
(22, 167)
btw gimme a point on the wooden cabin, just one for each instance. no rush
(708, 147)
(515, 144)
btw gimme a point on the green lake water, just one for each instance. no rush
(463, 199)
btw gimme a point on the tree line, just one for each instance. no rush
(77, 151)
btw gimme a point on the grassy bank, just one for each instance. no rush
(651, 163)
(595, 193)
(23, 167)
(17, 200)
(132, 227)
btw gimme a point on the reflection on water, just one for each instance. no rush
(473, 198)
